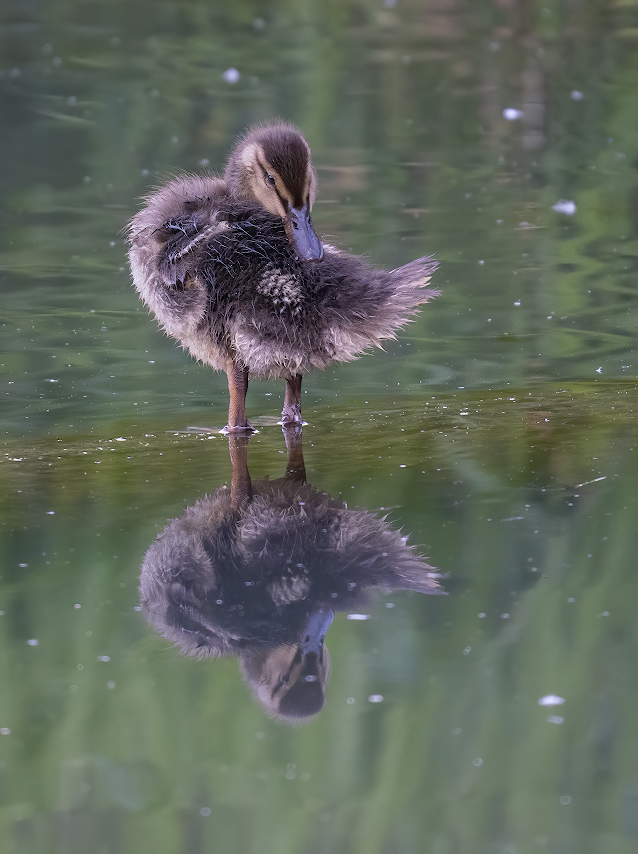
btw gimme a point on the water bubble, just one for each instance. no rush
(350, 701)
(467, 650)
(512, 114)
(565, 206)
(205, 811)
(478, 761)
(231, 75)
(375, 698)
(104, 658)
(33, 642)
(565, 800)
(551, 700)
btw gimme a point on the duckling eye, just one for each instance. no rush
(270, 180)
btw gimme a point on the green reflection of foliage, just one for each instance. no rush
(175, 736)
(403, 109)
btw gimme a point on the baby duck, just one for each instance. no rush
(233, 269)
(258, 571)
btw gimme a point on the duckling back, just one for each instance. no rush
(223, 278)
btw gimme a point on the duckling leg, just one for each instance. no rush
(295, 467)
(241, 489)
(237, 386)
(291, 413)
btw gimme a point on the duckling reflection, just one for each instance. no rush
(258, 571)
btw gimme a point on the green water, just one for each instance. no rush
(499, 431)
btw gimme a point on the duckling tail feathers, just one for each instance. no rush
(417, 274)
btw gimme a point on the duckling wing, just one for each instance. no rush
(183, 238)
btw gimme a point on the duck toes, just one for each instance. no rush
(233, 269)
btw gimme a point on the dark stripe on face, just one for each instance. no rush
(288, 154)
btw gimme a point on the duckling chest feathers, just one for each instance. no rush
(283, 290)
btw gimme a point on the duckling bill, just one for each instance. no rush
(234, 270)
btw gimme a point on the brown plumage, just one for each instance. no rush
(232, 268)
(258, 570)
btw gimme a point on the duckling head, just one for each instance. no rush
(289, 680)
(272, 165)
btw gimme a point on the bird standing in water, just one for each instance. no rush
(233, 269)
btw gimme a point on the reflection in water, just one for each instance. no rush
(258, 571)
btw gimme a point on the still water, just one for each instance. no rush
(498, 434)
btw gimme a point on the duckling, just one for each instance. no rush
(234, 270)
(258, 570)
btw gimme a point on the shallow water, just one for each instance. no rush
(498, 432)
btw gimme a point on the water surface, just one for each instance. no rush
(497, 432)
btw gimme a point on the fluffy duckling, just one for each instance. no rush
(233, 269)
(258, 571)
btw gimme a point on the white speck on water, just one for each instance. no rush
(599, 370)
(291, 772)
(77, 605)
(120, 439)
(50, 512)
(231, 75)
(104, 658)
(358, 616)
(556, 719)
(604, 614)
(110, 685)
(402, 466)
(23, 565)
(551, 700)
(512, 114)
(350, 701)
(33, 642)
(565, 206)
(481, 615)
(576, 95)
(205, 811)
(481, 263)
(571, 599)
(73, 688)
(389, 604)
(4, 730)
(375, 698)
(505, 616)
(517, 303)
(260, 735)
(565, 800)
(467, 650)
(477, 761)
